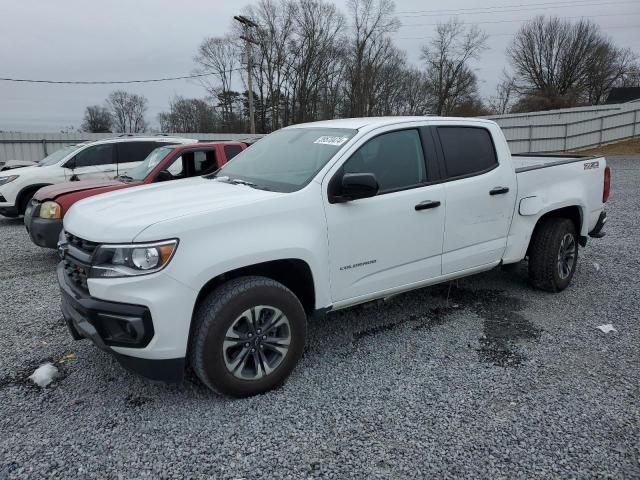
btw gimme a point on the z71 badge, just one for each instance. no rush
(590, 165)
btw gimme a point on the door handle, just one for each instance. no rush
(499, 190)
(427, 204)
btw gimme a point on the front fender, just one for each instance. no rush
(211, 244)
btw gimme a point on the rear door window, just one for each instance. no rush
(95, 155)
(467, 150)
(130, 152)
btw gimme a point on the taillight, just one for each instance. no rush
(607, 184)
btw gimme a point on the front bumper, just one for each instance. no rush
(8, 211)
(44, 232)
(112, 324)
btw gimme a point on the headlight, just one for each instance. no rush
(8, 179)
(50, 210)
(129, 260)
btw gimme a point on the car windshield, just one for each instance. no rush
(285, 160)
(142, 170)
(58, 155)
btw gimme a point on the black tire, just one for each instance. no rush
(545, 269)
(221, 310)
(24, 201)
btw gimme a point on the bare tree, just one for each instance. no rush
(188, 115)
(414, 93)
(220, 56)
(502, 101)
(97, 119)
(554, 59)
(384, 96)
(127, 110)
(318, 27)
(609, 65)
(449, 76)
(367, 49)
(631, 78)
(272, 61)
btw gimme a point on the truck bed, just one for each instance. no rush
(525, 162)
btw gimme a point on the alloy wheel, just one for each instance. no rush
(257, 342)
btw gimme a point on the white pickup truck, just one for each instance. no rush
(222, 271)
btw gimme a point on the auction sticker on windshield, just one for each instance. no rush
(327, 140)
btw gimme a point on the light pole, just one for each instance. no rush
(247, 24)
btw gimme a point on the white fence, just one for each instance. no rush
(570, 128)
(552, 131)
(36, 146)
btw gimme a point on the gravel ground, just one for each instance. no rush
(497, 381)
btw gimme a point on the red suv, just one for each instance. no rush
(44, 214)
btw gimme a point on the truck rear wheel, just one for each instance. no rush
(248, 336)
(553, 254)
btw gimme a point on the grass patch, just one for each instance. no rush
(626, 147)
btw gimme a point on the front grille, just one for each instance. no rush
(77, 260)
(86, 246)
(76, 273)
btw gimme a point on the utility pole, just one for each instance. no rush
(247, 24)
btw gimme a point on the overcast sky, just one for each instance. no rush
(126, 39)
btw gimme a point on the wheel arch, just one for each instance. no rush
(572, 212)
(33, 188)
(293, 273)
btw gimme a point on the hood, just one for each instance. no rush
(121, 215)
(54, 191)
(12, 164)
(18, 169)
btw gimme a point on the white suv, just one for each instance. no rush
(101, 159)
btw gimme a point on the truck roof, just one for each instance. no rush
(372, 122)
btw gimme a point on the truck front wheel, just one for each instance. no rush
(553, 254)
(248, 336)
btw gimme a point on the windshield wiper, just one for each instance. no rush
(238, 181)
(125, 178)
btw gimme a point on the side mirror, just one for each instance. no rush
(358, 185)
(163, 176)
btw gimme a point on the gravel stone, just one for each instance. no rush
(480, 378)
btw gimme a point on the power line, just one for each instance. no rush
(110, 82)
(521, 20)
(452, 11)
(517, 9)
(509, 34)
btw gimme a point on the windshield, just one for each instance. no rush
(58, 155)
(142, 170)
(288, 159)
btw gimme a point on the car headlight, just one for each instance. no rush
(130, 260)
(50, 210)
(8, 179)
